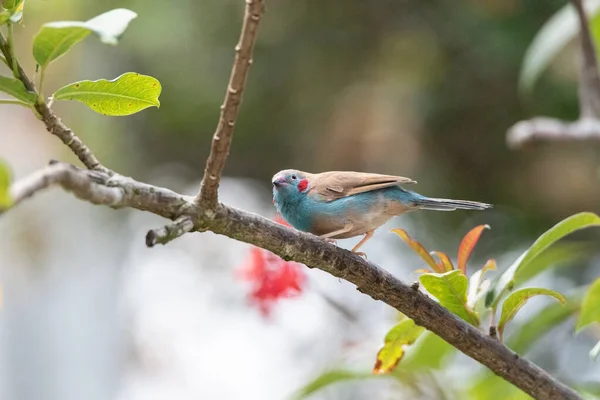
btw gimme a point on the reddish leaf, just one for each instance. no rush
(422, 271)
(445, 261)
(419, 249)
(466, 246)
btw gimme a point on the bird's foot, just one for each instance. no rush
(332, 241)
(361, 254)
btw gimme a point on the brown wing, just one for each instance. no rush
(337, 184)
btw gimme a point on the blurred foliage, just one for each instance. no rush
(5, 181)
(450, 288)
(422, 89)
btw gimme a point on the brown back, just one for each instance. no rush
(334, 185)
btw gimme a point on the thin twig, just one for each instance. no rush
(221, 142)
(179, 227)
(11, 49)
(589, 79)
(52, 122)
(587, 127)
(14, 102)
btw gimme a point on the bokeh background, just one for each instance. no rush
(425, 89)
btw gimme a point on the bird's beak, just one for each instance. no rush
(278, 181)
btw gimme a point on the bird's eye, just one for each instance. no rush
(294, 177)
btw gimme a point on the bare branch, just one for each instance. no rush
(164, 235)
(587, 127)
(79, 183)
(52, 122)
(100, 188)
(551, 129)
(221, 142)
(589, 79)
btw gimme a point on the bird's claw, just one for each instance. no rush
(361, 254)
(332, 241)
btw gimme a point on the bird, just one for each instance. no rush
(345, 204)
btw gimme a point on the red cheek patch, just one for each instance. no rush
(302, 185)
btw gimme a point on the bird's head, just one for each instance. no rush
(288, 185)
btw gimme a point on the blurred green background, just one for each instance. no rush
(424, 89)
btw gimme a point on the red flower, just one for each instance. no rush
(272, 277)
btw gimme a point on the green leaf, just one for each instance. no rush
(16, 89)
(332, 377)
(517, 299)
(4, 17)
(554, 35)
(14, 11)
(590, 307)
(519, 268)
(478, 287)
(4, 59)
(5, 179)
(450, 289)
(56, 38)
(429, 352)
(559, 255)
(125, 95)
(403, 334)
(111, 25)
(487, 386)
(12, 5)
(17, 11)
(543, 322)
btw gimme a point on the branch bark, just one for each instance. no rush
(588, 124)
(221, 142)
(589, 79)
(552, 129)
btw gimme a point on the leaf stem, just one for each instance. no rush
(40, 99)
(15, 102)
(11, 49)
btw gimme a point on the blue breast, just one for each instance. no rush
(301, 211)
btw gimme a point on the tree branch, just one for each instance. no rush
(551, 129)
(587, 127)
(221, 142)
(164, 235)
(117, 191)
(101, 188)
(52, 122)
(589, 79)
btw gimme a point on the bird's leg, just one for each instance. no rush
(368, 236)
(327, 236)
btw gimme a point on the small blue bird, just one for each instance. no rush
(345, 204)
